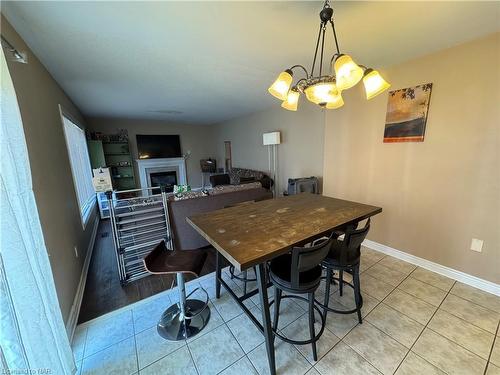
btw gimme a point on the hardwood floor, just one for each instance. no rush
(103, 291)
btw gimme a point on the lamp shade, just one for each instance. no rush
(272, 138)
(321, 92)
(374, 83)
(280, 87)
(347, 72)
(335, 102)
(292, 100)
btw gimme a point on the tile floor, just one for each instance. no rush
(415, 322)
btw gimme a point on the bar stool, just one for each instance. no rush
(299, 272)
(345, 256)
(187, 317)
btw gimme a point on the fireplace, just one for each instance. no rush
(166, 178)
(164, 171)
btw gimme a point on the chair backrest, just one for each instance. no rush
(351, 245)
(306, 258)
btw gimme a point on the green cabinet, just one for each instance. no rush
(117, 157)
(119, 161)
(96, 154)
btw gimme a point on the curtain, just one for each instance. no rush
(32, 332)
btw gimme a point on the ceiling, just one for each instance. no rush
(206, 62)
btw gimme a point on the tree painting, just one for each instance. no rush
(406, 115)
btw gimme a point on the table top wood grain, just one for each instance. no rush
(247, 235)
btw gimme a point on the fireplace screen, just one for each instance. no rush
(167, 179)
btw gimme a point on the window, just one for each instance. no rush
(80, 167)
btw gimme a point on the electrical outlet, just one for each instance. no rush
(76, 251)
(476, 245)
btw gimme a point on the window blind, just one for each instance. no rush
(80, 167)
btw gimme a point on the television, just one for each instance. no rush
(158, 146)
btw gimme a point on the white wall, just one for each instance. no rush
(301, 151)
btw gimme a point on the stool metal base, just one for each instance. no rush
(174, 327)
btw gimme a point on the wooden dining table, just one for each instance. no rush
(250, 235)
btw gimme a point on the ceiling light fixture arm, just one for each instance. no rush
(335, 37)
(301, 67)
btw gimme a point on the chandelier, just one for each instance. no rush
(326, 90)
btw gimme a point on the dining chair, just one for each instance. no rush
(187, 317)
(299, 272)
(344, 256)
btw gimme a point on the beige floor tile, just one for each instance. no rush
(340, 324)
(388, 275)
(151, 346)
(375, 287)
(495, 353)
(288, 359)
(373, 254)
(299, 330)
(492, 369)
(214, 322)
(472, 313)
(378, 348)
(370, 257)
(398, 326)
(288, 312)
(117, 359)
(241, 367)
(490, 301)
(176, 363)
(343, 360)
(248, 336)
(218, 344)
(312, 371)
(227, 306)
(411, 306)
(397, 264)
(472, 338)
(348, 301)
(425, 292)
(448, 356)
(435, 279)
(415, 365)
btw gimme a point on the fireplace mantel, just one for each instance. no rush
(147, 166)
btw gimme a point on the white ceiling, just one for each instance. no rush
(213, 61)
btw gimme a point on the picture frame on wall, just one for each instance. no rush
(406, 115)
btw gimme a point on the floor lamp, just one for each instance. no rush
(272, 140)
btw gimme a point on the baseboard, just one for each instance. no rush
(465, 278)
(77, 302)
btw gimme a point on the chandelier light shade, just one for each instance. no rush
(281, 86)
(325, 89)
(292, 100)
(321, 93)
(347, 72)
(374, 83)
(335, 102)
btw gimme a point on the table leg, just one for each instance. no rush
(266, 317)
(218, 268)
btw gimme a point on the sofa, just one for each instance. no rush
(184, 236)
(238, 176)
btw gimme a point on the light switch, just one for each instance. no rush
(476, 245)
